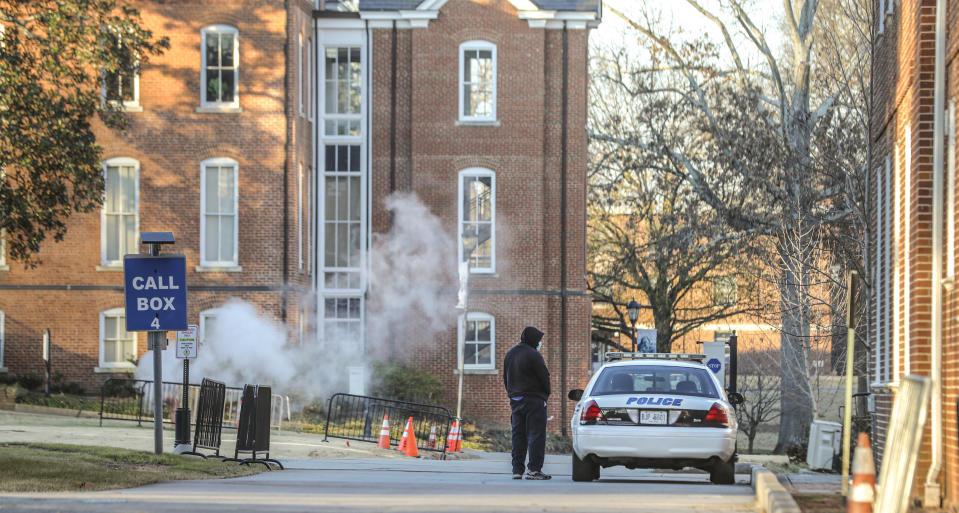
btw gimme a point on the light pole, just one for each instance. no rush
(632, 309)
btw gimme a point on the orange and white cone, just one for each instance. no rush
(431, 443)
(384, 442)
(410, 436)
(863, 490)
(403, 441)
(459, 439)
(451, 438)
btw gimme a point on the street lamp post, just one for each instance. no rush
(632, 309)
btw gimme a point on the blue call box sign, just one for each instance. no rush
(714, 365)
(155, 288)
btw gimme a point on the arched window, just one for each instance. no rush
(477, 219)
(477, 89)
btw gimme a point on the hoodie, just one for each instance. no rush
(524, 370)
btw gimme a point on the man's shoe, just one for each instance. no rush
(517, 476)
(537, 475)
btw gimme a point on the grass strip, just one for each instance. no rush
(60, 468)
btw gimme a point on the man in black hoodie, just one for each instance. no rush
(527, 385)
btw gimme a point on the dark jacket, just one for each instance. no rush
(524, 370)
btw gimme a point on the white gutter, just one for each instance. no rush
(933, 493)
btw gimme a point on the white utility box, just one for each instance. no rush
(825, 439)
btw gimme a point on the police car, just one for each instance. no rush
(654, 410)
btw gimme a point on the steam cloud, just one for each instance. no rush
(412, 298)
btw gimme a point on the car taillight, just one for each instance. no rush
(591, 414)
(716, 416)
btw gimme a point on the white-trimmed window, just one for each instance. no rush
(208, 325)
(120, 216)
(309, 81)
(479, 342)
(118, 347)
(299, 216)
(122, 87)
(725, 291)
(220, 67)
(951, 190)
(2, 327)
(477, 219)
(477, 84)
(343, 319)
(3, 250)
(218, 219)
(302, 76)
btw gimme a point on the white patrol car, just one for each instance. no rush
(654, 410)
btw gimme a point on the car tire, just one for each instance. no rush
(724, 472)
(584, 470)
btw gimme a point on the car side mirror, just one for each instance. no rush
(575, 394)
(736, 399)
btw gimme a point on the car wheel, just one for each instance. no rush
(584, 470)
(724, 472)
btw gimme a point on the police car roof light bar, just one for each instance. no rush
(610, 356)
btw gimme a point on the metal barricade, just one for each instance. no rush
(209, 418)
(132, 399)
(357, 417)
(253, 434)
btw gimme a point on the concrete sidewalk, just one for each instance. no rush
(16, 426)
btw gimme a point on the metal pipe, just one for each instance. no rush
(932, 493)
(154, 339)
(563, 228)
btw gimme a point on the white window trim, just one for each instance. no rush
(951, 191)
(882, 16)
(126, 106)
(907, 257)
(461, 336)
(3, 251)
(3, 320)
(299, 77)
(477, 172)
(879, 275)
(115, 366)
(119, 162)
(204, 316)
(475, 45)
(231, 264)
(233, 106)
(299, 216)
(896, 344)
(310, 82)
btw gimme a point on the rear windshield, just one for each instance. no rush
(655, 379)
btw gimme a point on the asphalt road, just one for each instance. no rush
(409, 485)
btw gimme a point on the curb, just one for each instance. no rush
(771, 496)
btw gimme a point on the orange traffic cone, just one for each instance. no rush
(410, 436)
(431, 443)
(459, 439)
(384, 442)
(403, 441)
(451, 438)
(863, 489)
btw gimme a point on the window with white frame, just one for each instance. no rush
(3, 250)
(479, 342)
(120, 216)
(951, 190)
(208, 325)
(220, 67)
(477, 216)
(477, 90)
(302, 76)
(342, 319)
(299, 215)
(725, 292)
(118, 347)
(2, 327)
(122, 86)
(309, 81)
(344, 92)
(218, 219)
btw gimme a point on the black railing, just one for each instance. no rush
(209, 417)
(357, 417)
(132, 399)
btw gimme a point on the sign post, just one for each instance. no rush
(155, 289)
(46, 359)
(186, 348)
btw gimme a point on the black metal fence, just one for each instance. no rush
(357, 417)
(253, 435)
(132, 399)
(209, 417)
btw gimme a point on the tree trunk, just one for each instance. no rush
(796, 399)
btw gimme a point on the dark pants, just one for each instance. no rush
(529, 431)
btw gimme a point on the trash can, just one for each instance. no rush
(824, 440)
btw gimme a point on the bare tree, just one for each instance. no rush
(781, 156)
(649, 233)
(759, 384)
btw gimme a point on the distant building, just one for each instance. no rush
(267, 139)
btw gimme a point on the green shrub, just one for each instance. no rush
(119, 389)
(401, 382)
(8, 379)
(30, 381)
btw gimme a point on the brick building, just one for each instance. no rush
(913, 323)
(268, 138)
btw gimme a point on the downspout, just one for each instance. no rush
(932, 493)
(393, 57)
(286, 164)
(562, 238)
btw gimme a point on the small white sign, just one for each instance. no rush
(186, 344)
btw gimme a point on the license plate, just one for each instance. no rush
(652, 417)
